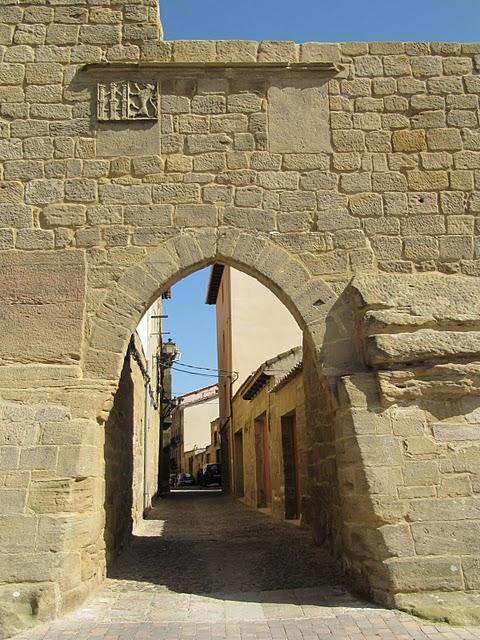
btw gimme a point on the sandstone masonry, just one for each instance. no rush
(345, 177)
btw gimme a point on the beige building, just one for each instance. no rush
(252, 326)
(213, 451)
(193, 462)
(269, 437)
(191, 429)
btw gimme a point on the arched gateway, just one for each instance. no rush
(343, 177)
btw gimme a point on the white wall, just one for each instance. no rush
(262, 326)
(196, 423)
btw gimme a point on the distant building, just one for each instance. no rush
(269, 451)
(252, 326)
(191, 429)
(213, 452)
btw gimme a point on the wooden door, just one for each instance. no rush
(290, 466)
(238, 455)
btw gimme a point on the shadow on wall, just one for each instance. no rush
(119, 466)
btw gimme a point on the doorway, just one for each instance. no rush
(238, 454)
(290, 466)
(262, 452)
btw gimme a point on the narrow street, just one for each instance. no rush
(205, 566)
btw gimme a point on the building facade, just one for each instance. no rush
(252, 325)
(343, 176)
(269, 457)
(191, 430)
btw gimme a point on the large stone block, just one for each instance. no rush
(444, 509)
(61, 495)
(55, 532)
(12, 501)
(418, 318)
(422, 345)
(17, 533)
(425, 574)
(310, 132)
(433, 297)
(378, 450)
(442, 538)
(456, 432)
(133, 139)
(80, 461)
(42, 296)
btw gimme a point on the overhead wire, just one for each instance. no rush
(166, 365)
(225, 371)
(191, 366)
(207, 375)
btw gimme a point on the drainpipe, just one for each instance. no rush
(146, 497)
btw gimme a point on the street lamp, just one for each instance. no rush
(169, 349)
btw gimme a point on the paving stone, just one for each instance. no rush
(204, 566)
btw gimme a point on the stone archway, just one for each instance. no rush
(314, 304)
(377, 427)
(373, 190)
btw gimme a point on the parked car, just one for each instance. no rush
(212, 474)
(185, 480)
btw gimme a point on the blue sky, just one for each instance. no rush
(319, 20)
(191, 324)
(191, 321)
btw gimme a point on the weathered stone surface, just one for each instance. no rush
(440, 381)
(60, 496)
(48, 308)
(421, 296)
(298, 177)
(418, 304)
(421, 574)
(423, 345)
(446, 509)
(445, 537)
(454, 608)
(310, 133)
(16, 607)
(409, 141)
(454, 433)
(133, 139)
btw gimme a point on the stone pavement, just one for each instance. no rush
(204, 567)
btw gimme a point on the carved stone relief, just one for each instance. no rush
(127, 100)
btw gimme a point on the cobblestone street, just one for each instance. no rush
(205, 566)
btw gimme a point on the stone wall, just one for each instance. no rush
(302, 165)
(408, 447)
(127, 495)
(321, 500)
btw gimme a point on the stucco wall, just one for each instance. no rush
(196, 423)
(261, 325)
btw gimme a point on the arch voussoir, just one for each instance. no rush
(175, 258)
